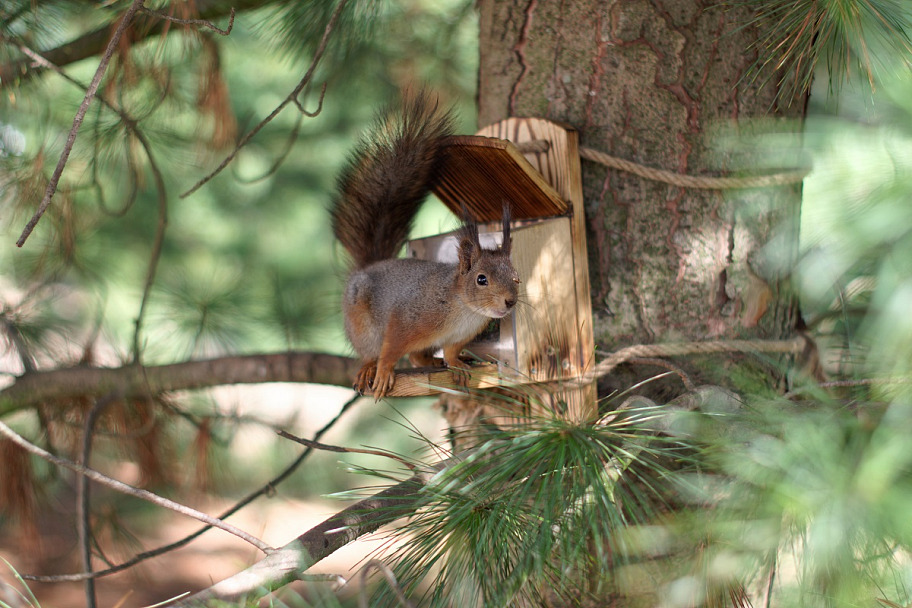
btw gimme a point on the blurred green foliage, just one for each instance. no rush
(810, 490)
(248, 264)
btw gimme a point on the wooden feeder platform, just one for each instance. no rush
(534, 165)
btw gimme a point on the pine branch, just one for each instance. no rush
(129, 490)
(93, 43)
(288, 563)
(139, 380)
(263, 490)
(124, 22)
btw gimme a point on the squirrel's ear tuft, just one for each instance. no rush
(469, 245)
(507, 239)
(468, 255)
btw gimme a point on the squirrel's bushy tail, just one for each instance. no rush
(387, 177)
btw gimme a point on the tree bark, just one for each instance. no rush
(142, 381)
(650, 81)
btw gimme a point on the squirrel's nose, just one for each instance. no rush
(510, 302)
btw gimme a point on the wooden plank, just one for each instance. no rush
(547, 342)
(424, 381)
(482, 172)
(559, 165)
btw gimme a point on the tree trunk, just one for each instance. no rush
(649, 81)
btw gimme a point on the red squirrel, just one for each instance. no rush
(403, 306)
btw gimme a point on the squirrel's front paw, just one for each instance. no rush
(383, 382)
(365, 377)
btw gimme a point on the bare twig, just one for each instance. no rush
(266, 489)
(198, 22)
(291, 98)
(288, 563)
(387, 573)
(126, 120)
(155, 255)
(292, 138)
(84, 527)
(289, 145)
(308, 113)
(77, 120)
(129, 490)
(14, 72)
(335, 448)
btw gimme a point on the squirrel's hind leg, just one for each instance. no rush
(400, 337)
(461, 371)
(425, 358)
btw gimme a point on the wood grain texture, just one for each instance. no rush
(559, 164)
(481, 173)
(549, 336)
(423, 381)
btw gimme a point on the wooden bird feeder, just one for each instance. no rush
(534, 165)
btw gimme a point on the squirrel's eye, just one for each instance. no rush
(481, 279)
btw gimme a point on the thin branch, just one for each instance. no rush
(291, 98)
(137, 380)
(157, 244)
(198, 22)
(308, 113)
(129, 490)
(292, 138)
(335, 448)
(92, 43)
(84, 527)
(280, 159)
(387, 573)
(126, 120)
(77, 120)
(265, 489)
(290, 562)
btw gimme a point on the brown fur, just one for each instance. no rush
(398, 307)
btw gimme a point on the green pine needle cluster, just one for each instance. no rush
(848, 37)
(535, 511)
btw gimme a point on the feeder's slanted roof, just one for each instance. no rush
(481, 173)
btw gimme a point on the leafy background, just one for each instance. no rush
(818, 484)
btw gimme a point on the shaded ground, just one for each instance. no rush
(211, 558)
(217, 555)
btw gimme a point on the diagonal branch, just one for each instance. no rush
(263, 490)
(129, 490)
(125, 21)
(289, 563)
(292, 98)
(93, 43)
